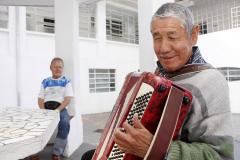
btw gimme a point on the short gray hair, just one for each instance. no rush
(182, 13)
(56, 59)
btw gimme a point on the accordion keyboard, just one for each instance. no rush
(139, 105)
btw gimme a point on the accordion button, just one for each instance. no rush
(161, 88)
(186, 100)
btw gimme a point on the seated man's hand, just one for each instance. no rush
(57, 110)
(134, 140)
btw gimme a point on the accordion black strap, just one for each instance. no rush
(166, 127)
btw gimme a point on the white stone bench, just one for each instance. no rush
(24, 132)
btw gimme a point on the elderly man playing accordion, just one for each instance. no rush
(206, 132)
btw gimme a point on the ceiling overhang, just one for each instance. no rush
(26, 2)
(43, 3)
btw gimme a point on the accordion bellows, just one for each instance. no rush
(161, 106)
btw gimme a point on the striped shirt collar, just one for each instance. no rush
(196, 58)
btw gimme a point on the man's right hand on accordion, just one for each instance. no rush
(134, 139)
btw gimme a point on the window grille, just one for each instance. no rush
(3, 17)
(87, 20)
(129, 3)
(230, 73)
(218, 15)
(40, 19)
(121, 24)
(203, 28)
(235, 15)
(101, 80)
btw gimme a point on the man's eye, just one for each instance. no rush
(172, 38)
(157, 38)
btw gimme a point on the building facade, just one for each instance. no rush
(27, 46)
(113, 39)
(27, 36)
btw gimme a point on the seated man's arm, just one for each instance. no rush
(41, 103)
(67, 98)
(65, 103)
(41, 97)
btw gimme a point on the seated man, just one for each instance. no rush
(55, 94)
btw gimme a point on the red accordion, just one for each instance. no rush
(161, 106)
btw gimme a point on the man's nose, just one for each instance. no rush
(165, 46)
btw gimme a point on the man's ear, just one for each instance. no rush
(194, 35)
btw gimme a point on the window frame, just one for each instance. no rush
(102, 80)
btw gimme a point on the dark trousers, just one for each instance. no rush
(63, 128)
(88, 155)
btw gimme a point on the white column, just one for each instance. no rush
(66, 46)
(66, 34)
(20, 49)
(101, 26)
(17, 49)
(13, 51)
(145, 11)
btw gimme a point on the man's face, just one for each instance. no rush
(172, 44)
(57, 69)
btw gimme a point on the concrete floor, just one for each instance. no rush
(93, 125)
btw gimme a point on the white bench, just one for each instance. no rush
(25, 132)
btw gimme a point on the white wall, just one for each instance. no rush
(120, 56)
(146, 9)
(234, 96)
(35, 66)
(39, 51)
(8, 95)
(221, 49)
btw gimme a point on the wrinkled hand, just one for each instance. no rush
(134, 140)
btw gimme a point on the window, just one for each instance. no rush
(48, 25)
(216, 15)
(40, 19)
(101, 80)
(121, 24)
(3, 17)
(235, 15)
(115, 27)
(230, 73)
(87, 21)
(203, 28)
